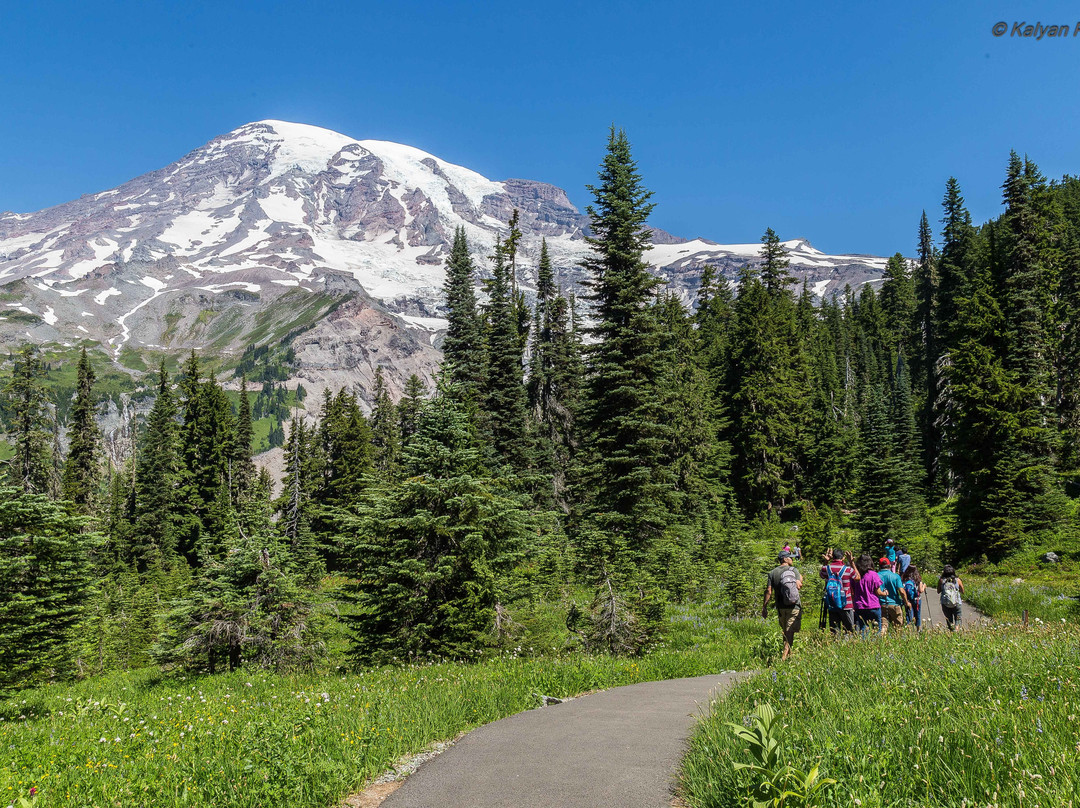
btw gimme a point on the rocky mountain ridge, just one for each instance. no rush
(282, 231)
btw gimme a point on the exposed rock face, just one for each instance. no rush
(260, 234)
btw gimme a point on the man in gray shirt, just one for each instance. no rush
(785, 581)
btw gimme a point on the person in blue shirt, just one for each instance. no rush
(905, 561)
(895, 602)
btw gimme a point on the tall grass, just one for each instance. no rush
(989, 718)
(255, 739)
(1008, 600)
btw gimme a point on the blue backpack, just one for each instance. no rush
(913, 596)
(834, 589)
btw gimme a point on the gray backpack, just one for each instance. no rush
(950, 594)
(789, 587)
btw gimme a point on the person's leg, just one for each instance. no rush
(876, 615)
(794, 624)
(917, 612)
(834, 620)
(860, 621)
(847, 617)
(784, 616)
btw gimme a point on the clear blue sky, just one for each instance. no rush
(835, 122)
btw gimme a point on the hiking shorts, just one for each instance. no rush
(894, 614)
(790, 620)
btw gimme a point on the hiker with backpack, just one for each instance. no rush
(890, 552)
(839, 574)
(950, 588)
(895, 602)
(865, 594)
(785, 581)
(914, 588)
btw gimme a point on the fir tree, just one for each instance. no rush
(31, 467)
(768, 385)
(385, 431)
(44, 584)
(345, 438)
(243, 469)
(925, 355)
(982, 427)
(887, 505)
(82, 469)
(245, 605)
(1028, 345)
(954, 268)
(1068, 364)
(898, 305)
(295, 503)
(409, 406)
(431, 551)
(157, 478)
(631, 485)
(463, 347)
(504, 400)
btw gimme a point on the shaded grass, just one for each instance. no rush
(986, 717)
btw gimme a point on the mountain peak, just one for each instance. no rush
(276, 208)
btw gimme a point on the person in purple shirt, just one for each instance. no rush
(865, 593)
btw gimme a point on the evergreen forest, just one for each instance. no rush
(586, 458)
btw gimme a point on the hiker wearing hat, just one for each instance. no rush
(839, 574)
(895, 599)
(785, 581)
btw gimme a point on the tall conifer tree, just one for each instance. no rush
(504, 400)
(31, 467)
(157, 479)
(463, 346)
(631, 485)
(82, 469)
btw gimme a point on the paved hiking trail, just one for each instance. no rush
(970, 617)
(618, 748)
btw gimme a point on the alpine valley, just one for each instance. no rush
(286, 234)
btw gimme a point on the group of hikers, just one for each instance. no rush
(857, 596)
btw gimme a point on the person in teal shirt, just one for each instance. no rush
(890, 551)
(895, 600)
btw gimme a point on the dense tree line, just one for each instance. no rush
(623, 441)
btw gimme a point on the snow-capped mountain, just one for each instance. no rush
(279, 229)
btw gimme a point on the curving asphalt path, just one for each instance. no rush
(619, 748)
(931, 610)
